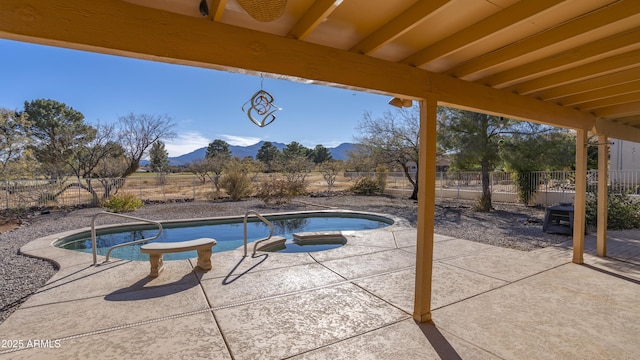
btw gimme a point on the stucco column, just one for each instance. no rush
(426, 210)
(603, 193)
(579, 206)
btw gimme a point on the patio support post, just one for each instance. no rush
(426, 209)
(579, 210)
(603, 203)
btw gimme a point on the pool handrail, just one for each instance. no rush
(264, 220)
(93, 234)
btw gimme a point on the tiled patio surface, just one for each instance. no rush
(349, 303)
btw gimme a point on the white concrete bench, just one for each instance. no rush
(156, 249)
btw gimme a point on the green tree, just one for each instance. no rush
(394, 139)
(159, 158)
(475, 139)
(267, 154)
(295, 149)
(218, 148)
(320, 154)
(536, 147)
(56, 129)
(14, 141)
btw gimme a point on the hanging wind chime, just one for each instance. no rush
(260, 108)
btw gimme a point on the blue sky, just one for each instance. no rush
(205, 104)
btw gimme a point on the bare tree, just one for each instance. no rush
(330, 170)
(136, 134)
(85, 158)
(395, 140)
(200, 168)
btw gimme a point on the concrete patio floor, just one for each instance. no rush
(355, 302)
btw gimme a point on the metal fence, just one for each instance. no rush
(77, 192)
(547, 188)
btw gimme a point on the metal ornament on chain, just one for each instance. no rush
(260, 108)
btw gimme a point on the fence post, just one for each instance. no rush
(193, 187)
(164, 193)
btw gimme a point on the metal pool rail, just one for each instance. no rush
(93, 234)
(264, 220)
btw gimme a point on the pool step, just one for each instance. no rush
(319, 238)
(275, 243)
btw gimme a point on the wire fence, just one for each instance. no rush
(544, 188)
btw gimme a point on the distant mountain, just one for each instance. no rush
(339, 152)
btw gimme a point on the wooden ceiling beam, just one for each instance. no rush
(476, 97)
(216, 9)
(595, 69)
(125, 29)
(476, 32)
(571, 58)
(121, 28)
(629, 120)
(579, 26)
(620, 110)
(314, 16)
(598, 94)
(617, 130)
(599, 82)
(399, 25)
(610, 101)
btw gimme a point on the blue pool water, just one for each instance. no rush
(228, 234)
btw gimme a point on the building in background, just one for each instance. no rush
(624, 161)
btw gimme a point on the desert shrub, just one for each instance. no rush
(297, 187)
(624, 212)
(381, 177)
(366, 185)
(237, 184)
(526, 186)
(274, 191)
(483, 203)
(122, 203)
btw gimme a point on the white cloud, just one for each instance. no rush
(239, 140)
(185, 143)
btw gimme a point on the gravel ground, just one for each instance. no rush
(510, 226)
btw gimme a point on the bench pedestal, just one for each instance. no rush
(157, 264)
(204, 259)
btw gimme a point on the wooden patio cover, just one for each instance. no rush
(572, 64)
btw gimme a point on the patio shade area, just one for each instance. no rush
(572, 64)
(354, 302)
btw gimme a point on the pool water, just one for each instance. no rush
(228, 234)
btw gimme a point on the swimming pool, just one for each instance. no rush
(228, 233)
